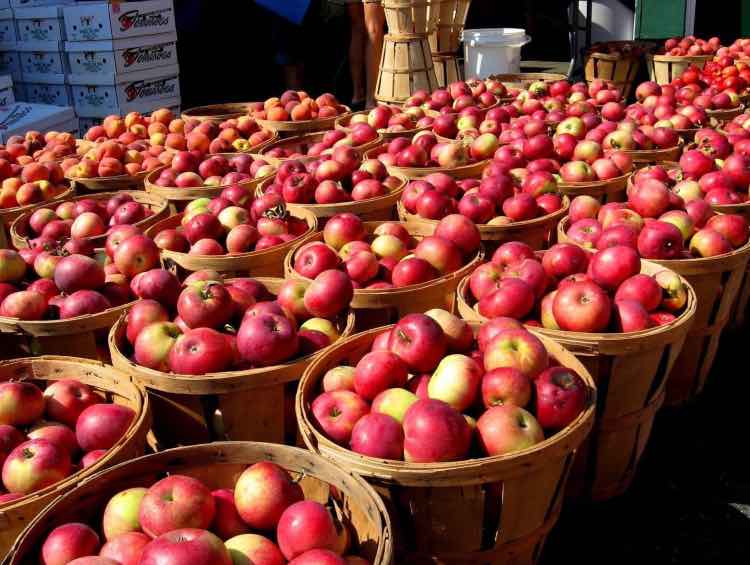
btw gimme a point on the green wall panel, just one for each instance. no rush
(656, 19)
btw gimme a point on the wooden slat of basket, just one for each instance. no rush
(405, 67)
(451, 19)
(217, 112)
(303, 126)
(219, 465)
(643, 157)
(8, 215)
(116, 387)
(621, 71)
(119, 182)
(446, 70)
(612, 190)
(411, 16)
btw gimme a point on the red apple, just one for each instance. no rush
(561, 395)
(68, 542)
(175, 502)
(507, 428)
(434, 432)
(101, 426)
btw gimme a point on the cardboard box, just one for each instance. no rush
(117, 56)
(41, 57)
(10, 64)
(7, 28)
(95, 117)
(47, 89)
(100, 94)
(7, 96)
(15, 4)
(41, 23)
(21, 117)
(95, 21)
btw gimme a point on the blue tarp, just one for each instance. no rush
(292, 10)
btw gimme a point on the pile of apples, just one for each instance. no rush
(113, 158)
(32, 183)
(43, 283)
(217, 226)
(35, 146)
(724, 74)
(360, 134)
(427, 390)
(186, 330)
(471, 122)
(84, 218)
(459, 95)
(263, 519)
(340, 177)
(132, 127)
(739, 49)
(658, 105)
(47, 436)
(390, 257)
(619, 48)
(189, 169)
(572, 289)
(691, 46)
(588, 161)
(392, 119)
(424, 150)
(297, 106)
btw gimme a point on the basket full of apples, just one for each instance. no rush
(617, 62)
(389, 120)
(677, 54)
(312, 145)
(590, 171)
(295, 111)
(231, 346)
(624, 318)
(87, 218)
(441, 412)
(392, 271)
(215, 504)
(62, 419)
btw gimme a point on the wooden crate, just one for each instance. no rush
(405, 67)
(219, 465)
(491, 510)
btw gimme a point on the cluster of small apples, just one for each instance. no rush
(724, 74)
(472, 122)
(193, 169)
(620, 48)
(657, 223)
(392, 119)
(458, 96)
(360, 134)
(572, 289)
(113, 158)
(712, 172)
(47, 436)
(217, 226)
(127, 129)
(340, 177)
(658, 106)
(297, 106)
(390, 257)
(691, 46)
(737, 131)
(629, 136)
(424, 150)
(83, 218)
(43, 282)
(185, 330)
(30, 184)
(261, 519)
(33, 146)
(589, 162)
(427, 389)
(739, 49)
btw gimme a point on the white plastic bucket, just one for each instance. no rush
(493, 51)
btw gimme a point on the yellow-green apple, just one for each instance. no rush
(643, 289)
(136, 254)
(519, 349)
(45, 264)
(674, 290)
(68, 542)
(233, 216)
(329, 293)
(55, 433)
(394, 228)
(33, 465)
(67, 398)
(577, 171)
(610, 267)
(227, 522)
(561, 396)
(582, 307)
(336, 413)
(456, 381)
(394, 402)
(505, 385)
(442, 254)
(342, 229)
(152, 349)
(378, 435)
(434, 432)
(681, 220)
(547, 315)
(253, 549)
(142, 314)
(78, 272)
(24, 305)
(419, 341)
(177, 501)
(303, 526)
(323, 326)
(660, 240)
(339, 378)
(388, 245)
(186, 545)
(378, 371)
(101, 426)
(688, 190)
(21, 403)
(121, 515)
(458, 334)
(262, 492)
(291, 296)
(125, 549)
(708, 242)
(507, 428)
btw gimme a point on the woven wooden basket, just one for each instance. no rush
(619, 70)
(405, 67)
(716, 282)
(492, 510)
(19, 229)
(727, 114)
(630, 371)
(114, 386)
(611, 190)
(302, 143)
(8, 215)
(376, 307)
(447, 69)
(446, 39)
(472, 170)
(663, 69)
(218, 465)
(538, 233)
(217, 112)
(411, 16)
(644, 157)
(303, 126)
(110, 184)
(249, 405)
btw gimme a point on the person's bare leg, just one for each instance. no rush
(374, 21)
(357, 51)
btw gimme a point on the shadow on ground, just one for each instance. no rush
(690, 502)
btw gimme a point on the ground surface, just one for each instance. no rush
(690, 502)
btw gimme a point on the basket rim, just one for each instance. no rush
(305, 136)
(18, 210)
(42, 327)
(678, 58)
(467, 169)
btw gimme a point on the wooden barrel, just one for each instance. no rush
(217, 113)
(630, 371)
(299, 127)
(405, 67)
(376, 307)
(446, 69)
(109, 184)
(492, 510)
(538, 233)
(610, 190)
(411, 16)
(265, 263)
(446, 38)
(114, 386)
(8, 215)
(472, 170)
(381, 208)
(218, 465)
(19, 229)
(716, 282)
(663, 69)
(248, 405)
(302, 144)
(620, 70)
